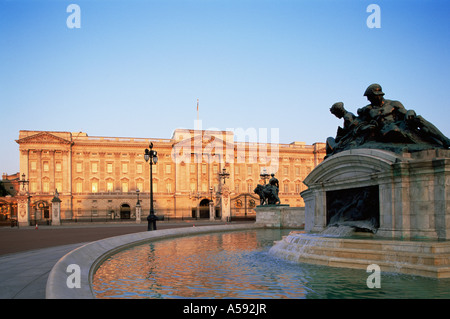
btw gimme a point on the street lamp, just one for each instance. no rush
(264, 175)
(211, 205)
(224, 174)
(137, 192)
(24, 182)
(152, 157)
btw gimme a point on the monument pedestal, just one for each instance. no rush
(211, 211)
(413, 190)
(280, 216)
(23, 210)
(56, 211)
(138, 213)
(225, 203)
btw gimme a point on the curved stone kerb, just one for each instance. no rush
(352, 164)
(88, 257)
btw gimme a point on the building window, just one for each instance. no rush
(58, 186)
(236, 187)
(155, 187)
(94, 187)
(286, 170)
(58, 166)
(46, 187)
(236, 170)
(125, 187)
(168, 169)
(297, 171)
(79, 167)
(168, 188)
(109, 167)
(203, 168)
(79, 187)
(297, 188)
(249, 188)
(140, 186)
(109, 186)
(193, 187)
(249, 170)
(94, 167)
(286, 187)
(124, 167)
(33, 165)
(192, 168)
(33, 187)
(139, 168)
(46, 167)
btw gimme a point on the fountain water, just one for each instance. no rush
(338, 231)
(238, 265)
(344, 248)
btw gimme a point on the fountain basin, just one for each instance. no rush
(88, 257)
(421, 258)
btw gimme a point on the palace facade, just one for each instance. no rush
(102, 178)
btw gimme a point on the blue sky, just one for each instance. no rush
(135, 68)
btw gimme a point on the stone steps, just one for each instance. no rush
(429, 259)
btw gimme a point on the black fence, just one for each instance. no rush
(105, 216)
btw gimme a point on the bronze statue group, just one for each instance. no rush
(383, 124)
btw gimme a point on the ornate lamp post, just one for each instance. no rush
(211, 192)
(138, 208)
(23, 182)
(151, 156)
(137, 193)
(224, 174)
(211, 205)
(264, 175)
(225, 196)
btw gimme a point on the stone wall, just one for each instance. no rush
(281, 216)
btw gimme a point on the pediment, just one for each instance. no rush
(205, 142)
(43, 138)
(360, 164)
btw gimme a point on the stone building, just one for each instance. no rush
(9, 187)
(101, 178)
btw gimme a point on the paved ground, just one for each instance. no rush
(27, 255)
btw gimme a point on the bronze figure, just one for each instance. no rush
(384, 124)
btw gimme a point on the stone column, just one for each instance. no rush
(310, 204)
(315, 209)
(39, 170)
(225, 203)
(23, 210)
(56, 210)
(211, 211)
(138, 213)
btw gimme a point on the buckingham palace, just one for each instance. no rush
(103, 178)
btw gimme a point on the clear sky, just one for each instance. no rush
(135, 68)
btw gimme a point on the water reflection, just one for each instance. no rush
(237, 265)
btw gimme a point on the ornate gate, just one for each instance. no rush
(243, 206)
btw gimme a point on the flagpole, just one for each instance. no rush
(197, 115)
